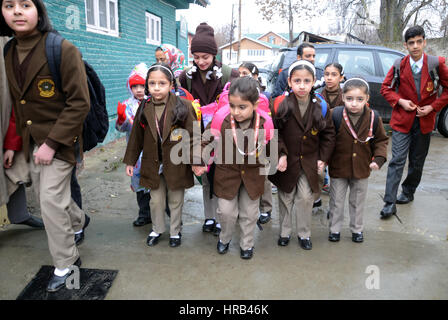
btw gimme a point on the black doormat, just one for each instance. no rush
(93, 285)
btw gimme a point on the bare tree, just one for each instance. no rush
(288, 10)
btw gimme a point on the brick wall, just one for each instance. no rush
(114, 57)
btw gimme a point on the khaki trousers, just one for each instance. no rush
(298, 203)
(266, 198)
(356, 202)
(210, 205)
(243, 209)
(60, 214)
(158, 206)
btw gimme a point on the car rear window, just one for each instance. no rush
(357, 62)
(387, 60)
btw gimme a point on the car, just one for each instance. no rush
(370, 62)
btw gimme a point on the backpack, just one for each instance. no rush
(323, 103)
(226, 73)
(337, 118)
(96, 124)
(433, 68)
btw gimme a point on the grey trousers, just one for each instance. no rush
(210, 205)
(16, 206)
(242, 209)
(158, 206)
(415, 145)
(266, 198)
(356, 202)
(298, 204)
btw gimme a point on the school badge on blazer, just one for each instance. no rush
(176, 134)
(430, 86)
(314, 132)
(46, 88)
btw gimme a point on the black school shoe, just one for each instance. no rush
(209, 227)
(33, 222)
(79, 238)
(56, 282)
(388, 210)
(334, 237)
(175, 242)
(247, 254)
(264, 218)
(404, 198)
(222, 248)
(152, 240)
(216, 230)
(283, 242)
(141, 221)
(305, 244)
(357, 237)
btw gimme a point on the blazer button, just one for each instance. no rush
(354, 155)
(304, 137)
(29, 122)
(22, 102)
(76, 139)
(356, 141)
(301, 157)
(242, 171)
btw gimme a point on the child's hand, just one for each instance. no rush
(320, 166)
(374, 166)
(282, 164)
(130, 171)
(198, 170)
(121, 112)
(44, 155)
(8, 158)
(407, 105)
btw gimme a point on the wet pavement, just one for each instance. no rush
(409, 259)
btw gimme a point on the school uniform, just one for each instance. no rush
(158, 172)
(303, 145)
(333, 99)
(411, 134)
(238, 187)
(46, 115)
(349, 168)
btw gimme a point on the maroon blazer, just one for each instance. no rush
(402, 120)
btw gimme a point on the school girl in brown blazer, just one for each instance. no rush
(163, 125)
(360, 148)
(306, 141)
(50, 123)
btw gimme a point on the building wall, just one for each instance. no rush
(277, 41)
(114, 57)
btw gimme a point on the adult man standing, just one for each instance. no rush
(415, 102)
(305, 51)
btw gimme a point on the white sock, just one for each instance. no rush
(153, 234)
(317, 200)
(79, 232)
(175, 237)
(61, 272)
(209, 222)
(264, 214)
(218, 225)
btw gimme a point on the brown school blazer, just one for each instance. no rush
(145, 137)
(41, 110)
(336, 102)
(229, 177)
(304, 147)
(351, 158)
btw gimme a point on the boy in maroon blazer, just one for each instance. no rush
(413, 117)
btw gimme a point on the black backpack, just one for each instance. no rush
(96, 124)
(433, 69)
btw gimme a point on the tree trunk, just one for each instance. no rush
(291, 25)
(392, 20)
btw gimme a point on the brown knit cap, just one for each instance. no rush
(204, 40)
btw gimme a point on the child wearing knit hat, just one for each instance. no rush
(206, 80)
(126, 111)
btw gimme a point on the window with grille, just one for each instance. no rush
(153, 29)
(102, 16)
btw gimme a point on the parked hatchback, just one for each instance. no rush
(370, 62)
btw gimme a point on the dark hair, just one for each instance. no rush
(354, 83)
(303, 46)
(245, 87)
(285, 109)
(43, 24)
(159, 49)
(414, 32)
(251, 67)
(337, 66)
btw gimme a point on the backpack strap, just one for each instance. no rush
(396, 79)
(277, 101)
(7, 47)
(433, 69)
(268, 125)
(53, 50)
(337, 117)
(323, 104)
(375, 120)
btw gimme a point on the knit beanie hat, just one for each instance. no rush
(204, 40)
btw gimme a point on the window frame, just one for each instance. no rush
(96, 27)
(148, 17)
